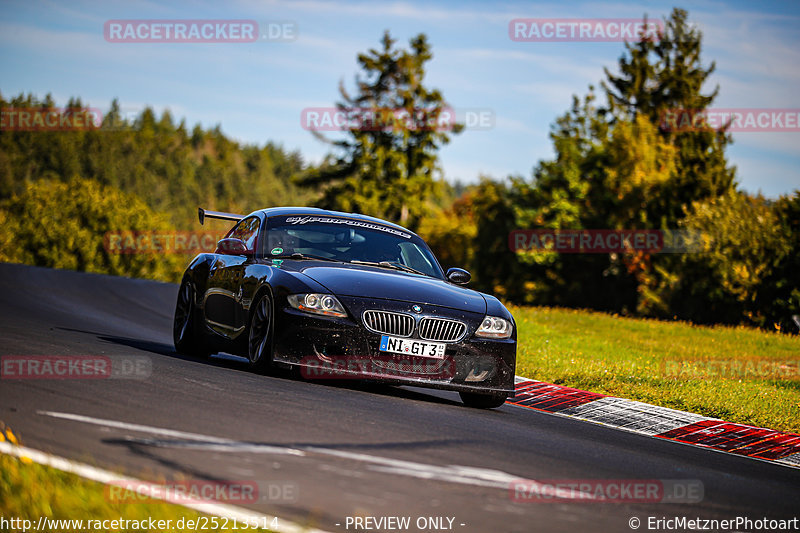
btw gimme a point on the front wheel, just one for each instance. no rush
(483, 401)
(259, 345)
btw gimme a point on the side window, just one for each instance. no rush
(247, 231)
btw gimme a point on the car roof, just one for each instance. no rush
(315, 211)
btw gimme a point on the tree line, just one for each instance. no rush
(617, 166)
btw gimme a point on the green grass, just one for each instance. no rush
(627, 357)
(29, 490)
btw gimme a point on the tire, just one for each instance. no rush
(259, 337)
(184, 330)
(483, 401)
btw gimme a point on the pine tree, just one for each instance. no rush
(663, 78)
(387, 167)
(620, 166)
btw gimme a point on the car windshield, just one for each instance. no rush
(349, 240)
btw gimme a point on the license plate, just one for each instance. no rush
(412, 347)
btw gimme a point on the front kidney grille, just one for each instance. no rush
(441, 329)
(389, 323)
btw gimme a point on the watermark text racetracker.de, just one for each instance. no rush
(200, 523)
(199, 31)
(603, 241)
(606, 491)
(25, 367)
(63, 119)
(696, 523)
(740, 368)
(160, 242)
(396, 119)
(195, 491)
(49, 119)
(593, 30)
(732, 120)
(349, 367)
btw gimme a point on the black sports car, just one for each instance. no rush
(342, 295)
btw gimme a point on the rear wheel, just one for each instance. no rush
(483, 401)
(259, 342)
(184, 333)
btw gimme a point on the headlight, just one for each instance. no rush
(319, 304)
(495, 328)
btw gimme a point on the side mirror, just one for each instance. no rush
(232, 246)
(458, 276)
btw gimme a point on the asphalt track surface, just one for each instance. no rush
(359, 449)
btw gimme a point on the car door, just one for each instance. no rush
(224, 312)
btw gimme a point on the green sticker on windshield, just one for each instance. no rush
(277, 251)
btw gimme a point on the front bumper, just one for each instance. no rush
(342, 348)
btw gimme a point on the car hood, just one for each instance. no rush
(371, 282)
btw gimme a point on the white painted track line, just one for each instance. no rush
(110, 478)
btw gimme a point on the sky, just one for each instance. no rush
(257, 91)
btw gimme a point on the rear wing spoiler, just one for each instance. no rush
(202, 214)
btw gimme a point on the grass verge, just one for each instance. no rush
(736, 374)
(29, 491)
